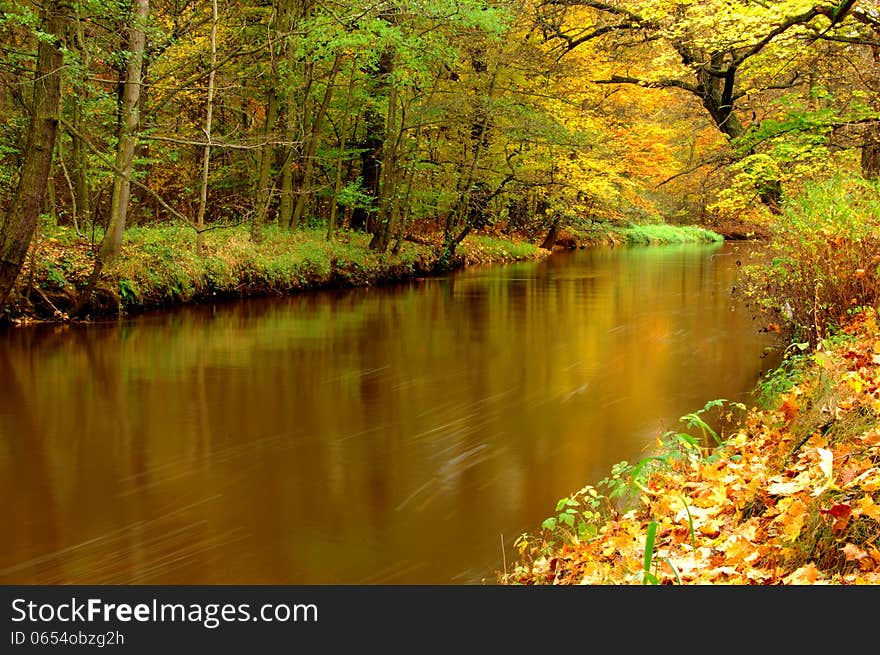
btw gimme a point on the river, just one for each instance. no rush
(401, 434)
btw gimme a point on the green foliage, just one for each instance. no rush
(353, 195)
(128, 291)
(696, 420)
(660, 233)
(792, 145)
(780, 380)
(577, 516)
(161, 265)
(493, 248)
(55, 276)
(647, 576)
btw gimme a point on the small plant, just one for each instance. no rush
(577, 516)
(127, 290)
(781, 379)
(696, 420)
(625, 479)
(55, 276)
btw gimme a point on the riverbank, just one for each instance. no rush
(161, 267)
(790, 496)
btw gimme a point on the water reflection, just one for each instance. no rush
(384, 435)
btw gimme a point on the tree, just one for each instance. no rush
(209, 121)
(714, 41)
(45, 113)
(126, 134)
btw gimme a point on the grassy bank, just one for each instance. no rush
(659, 234)
(791, 495)
(160, 266)
(636, 235)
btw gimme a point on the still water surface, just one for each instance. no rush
(384, 435)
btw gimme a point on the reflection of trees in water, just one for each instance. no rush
(323, 435)
(26, 476)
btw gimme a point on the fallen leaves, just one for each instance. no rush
(769, 507)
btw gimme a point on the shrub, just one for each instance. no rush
(823, 258)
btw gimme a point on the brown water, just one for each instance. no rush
(383, 435)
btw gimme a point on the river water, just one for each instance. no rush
(390, 435)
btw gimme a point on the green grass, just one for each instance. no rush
(655, 234)
(491, 248)
(163, 264)
(160, 265)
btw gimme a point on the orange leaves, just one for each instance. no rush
(789, 408)
(869, 480)
(867, 507)
(815, 468)
(791, 521)
(807, 574)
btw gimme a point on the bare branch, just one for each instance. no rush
(652, 84)
(218, 144)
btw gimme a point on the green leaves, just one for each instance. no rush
(647, 576)
(577, 516)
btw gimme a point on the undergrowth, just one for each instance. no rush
(824, 259)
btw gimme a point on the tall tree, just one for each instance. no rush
(263, 187)
(209, 121)
(45, 109)
(714, 40)
(126, 134)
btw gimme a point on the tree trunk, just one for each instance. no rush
(264, 190)
(209, 114)
(364, 218)
(340, 154)
(80, 171)
(470, 188)
(297, 117)
(24, 212)
(131, 90)
(716, 92)
(385, 224)
(871, 153)
(305, 190)
(552, 235)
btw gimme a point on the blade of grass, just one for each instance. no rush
(649, 553)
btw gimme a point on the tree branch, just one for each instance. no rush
(652, 84)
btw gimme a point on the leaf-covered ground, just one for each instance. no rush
(791, 496)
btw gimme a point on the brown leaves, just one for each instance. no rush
(867, 561)
(840, 514)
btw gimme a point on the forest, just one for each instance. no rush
(156, 152)
(204, 129)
